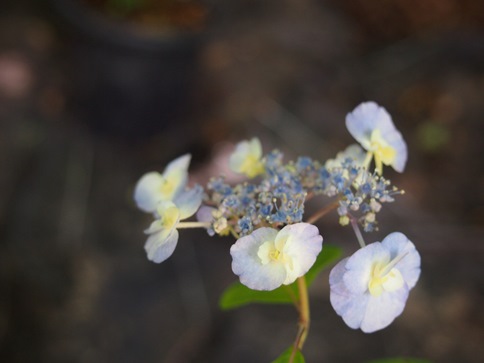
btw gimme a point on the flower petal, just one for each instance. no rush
(395, 140)
(364, 119)
(189, 201)
(204, 214)
(248, 266)
(155, 226)
(353, 152)
(398, 244)
(359, 266)
(154, 187)
(181, 163)
(364, 311)
(350, 292)
(302, 245)
(246, 159)
(350, 306)
(382, 310)
(369, 116)
(159, 246)
(146, 192)
(175, 176)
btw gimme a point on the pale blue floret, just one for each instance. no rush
(272, 161)
(159, 247)
(304, 163)
(205, 215)
(246, 158)
(365, 208)
(163, 236)
(189, 201)
(368, 118)
(163, 233)
(231, 201)
(219, 187)
(366, 188)
(370, 288)
(265, 210)
(353, 154)
(153, 187)
(245, 225)
(268, 258)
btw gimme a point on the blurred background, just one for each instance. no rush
(94, 93)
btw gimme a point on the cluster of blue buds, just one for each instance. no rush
(276, 200)
(279, 196)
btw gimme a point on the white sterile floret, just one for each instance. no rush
(268, 258)
(163, 236)
(153, 187)
(246, 159)
(370, 288)
(163, 233)
(373, 128)
(189, 201)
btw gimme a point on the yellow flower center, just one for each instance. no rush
(170, 184)
(275, 254)
(272, 252)
(170, 217)
(384, 277)
(252, 166)
(381, 150)
(167, 187)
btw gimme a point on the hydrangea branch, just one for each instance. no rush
(356, 229)
(304, 313)
(204, 225)
(322, 212)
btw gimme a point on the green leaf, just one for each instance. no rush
(328, 255)
(237, 295)
(400, 360)
(284, 357)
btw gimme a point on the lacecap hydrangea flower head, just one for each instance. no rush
(370, 288)
(276, 243)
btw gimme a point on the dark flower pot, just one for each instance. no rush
(123, 82)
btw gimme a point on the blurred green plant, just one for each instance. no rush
(125, 6)
(290, 355)
(433, 137)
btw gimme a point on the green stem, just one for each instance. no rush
(304, 317)
(304, 312)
